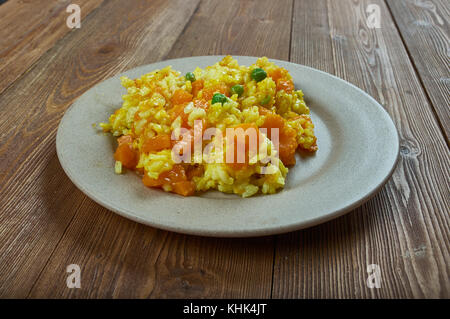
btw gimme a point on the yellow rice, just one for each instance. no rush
(154, 118)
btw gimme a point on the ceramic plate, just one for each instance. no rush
(358, 150)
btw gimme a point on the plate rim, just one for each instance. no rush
(242, 233)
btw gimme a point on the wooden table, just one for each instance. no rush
(46, 223)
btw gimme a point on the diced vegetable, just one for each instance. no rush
(237, 89)
(125, 139)
(287, 137)
(178, 110)
(218, 98)
(258, 74)
(286, 85)
(156, 143)
(194, 171)
(184, 188)
(242, 141)
(175, 179)
(208, 92)
(278, 74)
(151, 182)
(181, 96)
(190, 76)
(196, 87)
(126, 154)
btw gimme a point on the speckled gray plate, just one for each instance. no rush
(358, 150)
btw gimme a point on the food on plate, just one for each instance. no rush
(226, 127)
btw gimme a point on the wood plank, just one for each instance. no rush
(238, 28)
(424, 27)
(144, 262)
(37, 199)
(42, 24)
(236, 268)
(405, 228)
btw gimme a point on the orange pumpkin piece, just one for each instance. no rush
(288, 145)
(286, 85)
(273, 121)
(178, 110)
(197, 86)
(156, 143)
(125, 139)
(126, 154)
(278, 74)
(181, 96)
(208, 93)
(151, 182)
(287, 138)
(176, 178)
(189, 137)
(185, 142)
(193, 171)
(184, 188)
(242, 141)
(176, 174)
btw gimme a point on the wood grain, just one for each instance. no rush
(405, 228)
(47, 224)
(139, 261)
(259, 28)
(425, 29)
(28, 29)
(38, 201)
